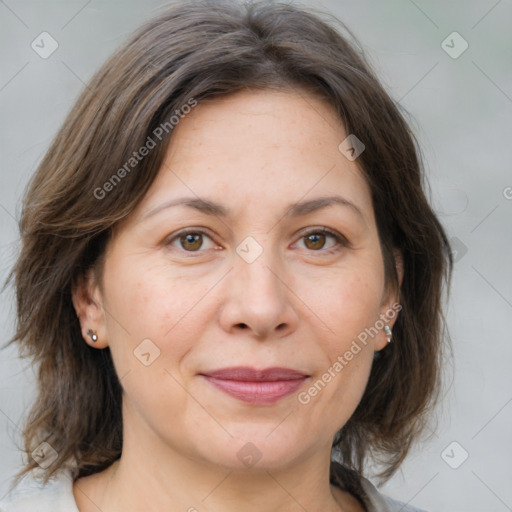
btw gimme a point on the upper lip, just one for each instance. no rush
(248, 374)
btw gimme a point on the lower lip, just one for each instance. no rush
(263, 392)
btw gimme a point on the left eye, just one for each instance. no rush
(317, 240)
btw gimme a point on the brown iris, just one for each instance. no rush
(315, 241)
(191, 241)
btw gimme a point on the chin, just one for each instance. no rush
(256, 448)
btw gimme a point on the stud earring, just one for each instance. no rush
(93, 335)
(389, 333)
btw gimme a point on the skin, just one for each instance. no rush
(300, 305)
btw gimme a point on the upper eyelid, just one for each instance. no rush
(320, 229)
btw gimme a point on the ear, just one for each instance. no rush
(390, 306)
(88, 303)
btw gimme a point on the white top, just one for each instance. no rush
(57, 496)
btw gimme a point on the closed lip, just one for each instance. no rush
(257, 387)
(249, 374)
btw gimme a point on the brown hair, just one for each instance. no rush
(200, 50)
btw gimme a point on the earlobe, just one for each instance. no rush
(389, 333)
(87, 301)
(391, 306)
(93, 335)
(385, 335)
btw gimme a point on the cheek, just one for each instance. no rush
(345, 302)
(148, 301)
(346, 305)
(152, 299)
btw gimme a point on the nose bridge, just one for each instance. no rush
(261, 283)
(259, 298)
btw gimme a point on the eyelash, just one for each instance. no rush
(341, 241)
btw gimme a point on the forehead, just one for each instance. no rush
(259, 147)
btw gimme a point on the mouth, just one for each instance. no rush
(254, 386)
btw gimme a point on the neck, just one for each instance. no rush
(132, 485)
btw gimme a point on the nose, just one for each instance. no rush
(259, 299)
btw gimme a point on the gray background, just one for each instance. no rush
(460, 109)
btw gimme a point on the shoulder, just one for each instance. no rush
(380, 502)
(31, 495)
(351, 481)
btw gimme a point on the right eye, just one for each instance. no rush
(190, 240)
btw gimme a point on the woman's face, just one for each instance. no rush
(223, 265)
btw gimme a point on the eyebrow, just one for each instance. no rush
(298, 209)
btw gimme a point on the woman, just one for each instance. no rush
(230, 276)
